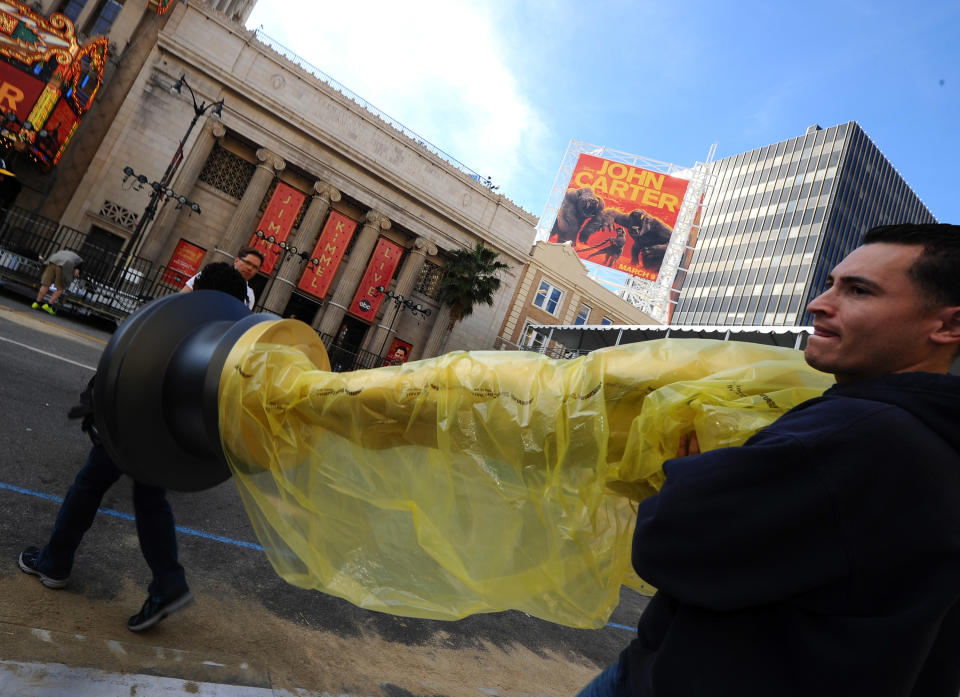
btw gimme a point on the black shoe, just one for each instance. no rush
(154, 610)
(28, 565)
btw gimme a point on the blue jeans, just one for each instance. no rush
(610, 683)
(155, 526)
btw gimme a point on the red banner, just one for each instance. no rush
(184, 263)
(277, 221)
(18, 91)
(619, 215)
(379, 272)
(333, 242)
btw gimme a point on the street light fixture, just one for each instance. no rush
(162, 189)
(286, 249)
(402, 303)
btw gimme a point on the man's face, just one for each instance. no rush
(247, 265)
(871, 320)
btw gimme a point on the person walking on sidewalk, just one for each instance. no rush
(61, 269)
(822, 557)
(168, 591)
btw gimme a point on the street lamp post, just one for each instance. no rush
(161, 189)
(401, 303)
(286, 249)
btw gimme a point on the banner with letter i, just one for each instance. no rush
(379, 271)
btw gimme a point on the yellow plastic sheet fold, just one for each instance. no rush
(480, 481)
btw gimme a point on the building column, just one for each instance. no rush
(240, 228)
(291, 267)
(406, 281)
(438, 334)
(183, 183)
(350, 279)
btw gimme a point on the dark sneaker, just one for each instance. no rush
(47, 308)
(28, 565)
(154, 610)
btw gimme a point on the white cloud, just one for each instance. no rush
(439, 67)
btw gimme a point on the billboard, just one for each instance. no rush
(619, 215)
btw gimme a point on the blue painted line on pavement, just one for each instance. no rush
(127, 516)
(186, 531)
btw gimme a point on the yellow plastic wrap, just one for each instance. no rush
(480, 481)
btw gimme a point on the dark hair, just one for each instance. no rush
(223, 277)
(937, 270)
(250, 250)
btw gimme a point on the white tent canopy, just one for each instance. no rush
(583, 338)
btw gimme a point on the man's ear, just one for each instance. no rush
(948, 331)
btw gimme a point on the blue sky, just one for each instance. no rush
(504, 86)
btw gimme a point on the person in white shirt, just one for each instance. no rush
(248, 262)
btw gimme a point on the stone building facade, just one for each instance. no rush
(280, 125)
(555, 289)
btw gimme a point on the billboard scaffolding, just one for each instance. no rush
(650, 283)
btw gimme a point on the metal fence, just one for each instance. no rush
(343, 359)
(104, 288)
(554, 351)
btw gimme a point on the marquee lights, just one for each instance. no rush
(160, 6)
(44, 106)
(33, 38)
(47, 46)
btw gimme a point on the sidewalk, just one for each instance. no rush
(57, 680)
(185, 672)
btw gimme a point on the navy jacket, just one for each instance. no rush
(820, 558)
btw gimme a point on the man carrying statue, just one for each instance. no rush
(823, 556)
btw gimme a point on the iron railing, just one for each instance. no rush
(343, 358)
(555, 351)
(103, 290)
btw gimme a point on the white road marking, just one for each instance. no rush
(47, 353)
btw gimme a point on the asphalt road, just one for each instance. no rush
(247, 626)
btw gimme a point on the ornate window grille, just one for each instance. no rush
(428, 282)
(227, 172)
(116, 213)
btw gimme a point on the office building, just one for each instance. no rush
(778, 218)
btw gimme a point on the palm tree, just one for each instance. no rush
(470, 277)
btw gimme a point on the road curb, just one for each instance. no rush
(45, 647)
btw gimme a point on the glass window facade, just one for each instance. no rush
(780, 217)
(548, 297)
(107, 15)
(583, 315)
(72, 9)
(530, 338)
